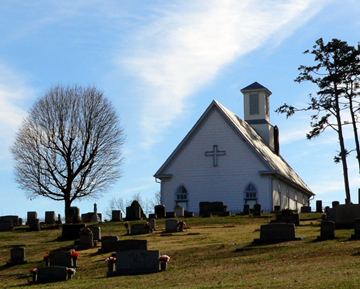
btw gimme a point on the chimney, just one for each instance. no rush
(276, 141)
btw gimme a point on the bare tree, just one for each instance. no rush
(69, 146)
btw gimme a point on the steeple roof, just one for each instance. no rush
(255, 86)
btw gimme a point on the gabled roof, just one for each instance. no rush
(278, 167)
(255, 86)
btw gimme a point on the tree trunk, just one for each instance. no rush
(355, 131)
(67, 206)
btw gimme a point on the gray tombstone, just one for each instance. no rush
(15, 220)
(50, 217)
(6, 225)
(327, 230)
(34, 225)
(96, 232)
(305, 209)
(95, 217)
(257, 210)
(277, 208)
(86, 240)
(171, 225)
(179, 211)
(59, 219)
(18, 255)
(189, 214)
(288, 218)
(160, 211)
(335, 203)
(51, 274)
(246, 210)
(116, 215)
(133, 244)
(108, 243)
(170, 215)
(136, 262)
(71, 231)
(61, 258)
(356, 234)
(133, 213)
(31, 216)
(277, 233)
(152, 216)
(152, 224)
(137, 229)
(319, 206)
(73, 215)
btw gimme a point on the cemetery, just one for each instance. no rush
(220, 251)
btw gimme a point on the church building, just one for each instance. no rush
(224, 158)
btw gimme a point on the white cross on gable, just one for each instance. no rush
(215, 153)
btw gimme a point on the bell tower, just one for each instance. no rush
(257, 111)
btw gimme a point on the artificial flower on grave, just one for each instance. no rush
(110, 260)
(164, 258)
(71, 271)
(33, 270)
(126, 224)
(181, 223)
(47, 257)
(74, 254)
(86, 231)
(147, 225)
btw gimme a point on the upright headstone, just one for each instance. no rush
(327, 230)
(73, 215)
(59, 219)
(276, 209)
(356, 234)
(170, 215)
(16, 221)
(257, 210)
(179, 211)
(34, 225)
(18, 255)
(136, 262)
(95, 217)
(246, 209)
(277, 233)
(108, 243)
(96, 232)
(335, 204)
(31, 216)
(319, 206)
(152, 224)
(71, 231)
(116, 216)
(61, 258)
(51, 274)
(305, 209)
(50, 217)
(6, 225)
(160, 211)
(86, 240)
(137, 229)
(171, 225)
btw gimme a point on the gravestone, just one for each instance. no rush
(160, 211)
(335, 204)
(108, 243)
(246, 210)
(95, 217)
(170, 215)
(50, 217)
(171, 225)
(356, 234)
(305, 209)
(179, 211)
(59, 219)
(61, 258)
(327, 230)
(6, 225)
(152, 216)
(288, 218)
(215, 208)
(257, 210)
(86, 240)
(31, 216)
(18, 255)
(133, 213)
(51, 274)
(16, 221)
(152, 222)
(277, 209)
(73, 215)
(137, 229)
(136, 262)
(71, 231)
(116, 216)
(189, 214)
(96, 232)
(319, 206)
(280, 232)
(34, 225)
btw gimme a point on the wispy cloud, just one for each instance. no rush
(187, 45)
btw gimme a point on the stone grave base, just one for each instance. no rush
(274, 233)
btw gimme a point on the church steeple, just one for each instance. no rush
(257, 111)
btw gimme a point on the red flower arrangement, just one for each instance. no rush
(71, 271)
(47, 257)
(74, 254)
(164, 258)
(33, 270)
(147, 225)
(110, 260)
(86, 231)
(181, 223)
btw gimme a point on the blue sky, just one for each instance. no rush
(162, 63)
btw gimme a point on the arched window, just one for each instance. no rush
(250, 195)
(182, 197)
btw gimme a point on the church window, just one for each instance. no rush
(181, 197)
(250, 195)
(254, 104)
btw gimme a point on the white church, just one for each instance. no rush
(224, 158)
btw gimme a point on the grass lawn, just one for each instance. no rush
(215, 252)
